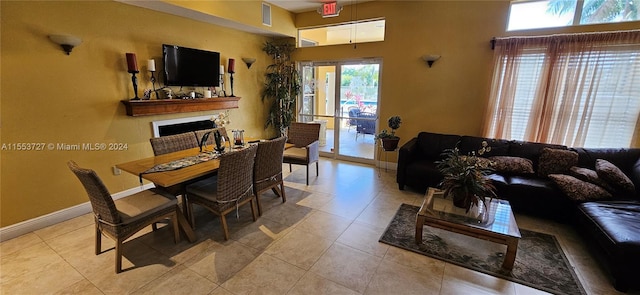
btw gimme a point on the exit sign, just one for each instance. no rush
(330, 9)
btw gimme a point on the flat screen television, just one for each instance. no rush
(190, 67)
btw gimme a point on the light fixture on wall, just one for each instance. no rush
(67, 42)
(249, 61)
(430, 58)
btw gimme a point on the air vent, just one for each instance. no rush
(266, 14)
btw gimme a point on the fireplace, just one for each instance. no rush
(181, 125)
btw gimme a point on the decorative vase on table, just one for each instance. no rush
(464, 177)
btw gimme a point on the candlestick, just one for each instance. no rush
(151, 67)
(132, 67)
(231, 80)
(134, 80)
(221, 70)
(132, 63)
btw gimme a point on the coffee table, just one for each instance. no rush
(494, 223)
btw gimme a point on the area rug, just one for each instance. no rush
(540, 262)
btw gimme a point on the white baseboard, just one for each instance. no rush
(27, 226)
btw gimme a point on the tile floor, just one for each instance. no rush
(323, 240)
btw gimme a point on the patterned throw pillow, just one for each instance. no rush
(588, 175)
(578, 190)
(517, 165)
(615, 177)
(555, 161)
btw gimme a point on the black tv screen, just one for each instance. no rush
(190, 67)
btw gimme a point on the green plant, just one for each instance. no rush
(393, 123)
(465, 176)
(282, 86)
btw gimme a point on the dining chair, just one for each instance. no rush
(231, 188)
(122, 218)
(305, 137)
(267, 169)
(173, 143)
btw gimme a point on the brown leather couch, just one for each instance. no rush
(611, 227)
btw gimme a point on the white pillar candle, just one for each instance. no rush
(151, 65)
(221, 70)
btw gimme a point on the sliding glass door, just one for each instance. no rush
(343, 97)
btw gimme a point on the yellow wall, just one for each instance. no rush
(245, 12)
(450, 97)
(49, 97)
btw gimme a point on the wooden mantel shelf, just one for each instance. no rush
(172, 106)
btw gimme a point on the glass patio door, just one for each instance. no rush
(343, 98)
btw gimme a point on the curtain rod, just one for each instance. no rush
(493, 40)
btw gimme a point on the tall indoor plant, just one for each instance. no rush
(282, 85)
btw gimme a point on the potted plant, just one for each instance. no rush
(282, 86)
(465, 177)
(389, 139)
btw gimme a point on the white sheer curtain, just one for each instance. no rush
(576, 90)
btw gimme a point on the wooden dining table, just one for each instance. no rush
(175, 181)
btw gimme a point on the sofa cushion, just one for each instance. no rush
(556, 161)
(588, 175)
(530, 150)
(433, 145)
(615, 177)
(579, 190)
(511, 165)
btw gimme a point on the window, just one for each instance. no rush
(576, 90)
(560, 13)
(357, 32)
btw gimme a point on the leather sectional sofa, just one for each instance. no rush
(608, 216)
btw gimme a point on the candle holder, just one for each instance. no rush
(134, 80)
(153, 83)
(231, 80)
(222, 93)
(238, 137)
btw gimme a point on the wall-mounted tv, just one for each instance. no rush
(190, 67)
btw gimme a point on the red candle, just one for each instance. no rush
(232, 66)
(132, 63)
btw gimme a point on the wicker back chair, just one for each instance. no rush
(267, 170)
(231, 188)
(305, 137)
(173, 143)
(124, 217)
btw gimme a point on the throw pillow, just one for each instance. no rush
(556, 161)
(506, 164)
(578, 190)
(615, 177)
(588, 175)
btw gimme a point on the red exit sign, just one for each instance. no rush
(330, 9)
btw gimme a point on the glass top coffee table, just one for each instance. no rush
(493, 222)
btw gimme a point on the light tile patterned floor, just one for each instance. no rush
(323, 240)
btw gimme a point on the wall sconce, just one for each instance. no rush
(430, 58)
(248, 61)
(67, 42)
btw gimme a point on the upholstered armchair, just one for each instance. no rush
(306, 150)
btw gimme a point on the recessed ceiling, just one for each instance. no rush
(298, 6)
